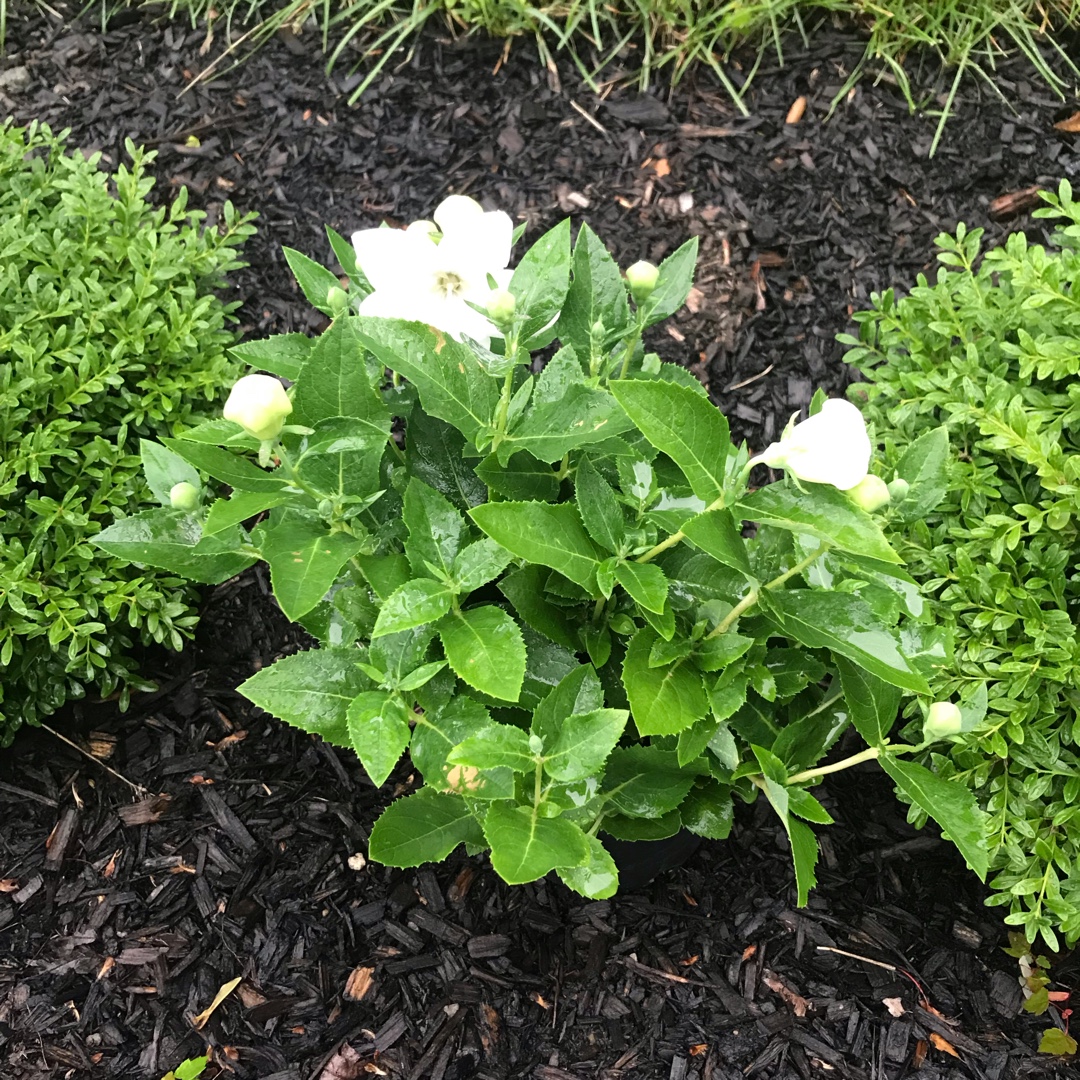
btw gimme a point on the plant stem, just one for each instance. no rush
(752, 597)
(632, 343)
(676, 537)
(538, 787)
(872, 753)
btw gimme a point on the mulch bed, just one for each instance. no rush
(123, 912)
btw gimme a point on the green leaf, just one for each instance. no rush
(414, 604)
(925, 466)
(804, 854)
(424, 827)
(281, 354)
(524, 589)
(496, 746)
(683, 425)
(525, 846)
(579, 691)
(241, 505)
(873, 703)
(452, 384)
(346, 255)
(674, 284)
(846, 625)
(599, 509)
(803, 804)
(583, 744)
(596, 293)
(822, 512)
(1056, 1041)
(173, 540)
(694, 740)
(479, 563)
(437, 532)
(541, 279)
(949, 803)
(191, 1069)
(163, 469)
(717, 534)
(717, 653)
(521, 478)
(708, 811)
(314, 280)
(598, 878)
(384, 573)
(541, 533)
(343, 456)
(311, 690)
(434, 455)
(420, 676)
(645, 582)
(379, 732)
(584, 415)
(438, 732)
(663, 700)
(631, 828)
(643, 781)
(226, 466)
(485, 648)
(334, 382)
(305, 559)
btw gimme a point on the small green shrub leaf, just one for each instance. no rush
(583, 744)
(314, 280)
(526, 846)
(645, 782)
(874, 703)
(423, 827)
(414, 604)
(597, 878)
(663, 700)
(379, 732)
(485, 648)
(282, 354)
(645, 582)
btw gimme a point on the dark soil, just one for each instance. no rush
(122, 913)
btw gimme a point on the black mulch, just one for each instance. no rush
(122, 914)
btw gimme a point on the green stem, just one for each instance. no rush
(871, 753)
(538, 787)
(676, 537)
(752, 597)
(632, 343)
(598, 609)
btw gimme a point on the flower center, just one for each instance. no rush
(449, 283)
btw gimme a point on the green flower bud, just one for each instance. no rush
(598, 331)
(642, 278)
(898, 489)
(259, 404)
(942, 719)
(183, 496)
(536, 744)
(501, 306)
(337, 300)
(870, 493)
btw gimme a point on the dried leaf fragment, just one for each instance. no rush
(1071, 124)
(943, 1044)
(894, 1005)
(1015, 202)
(797, 110)
(798, 1003)
(200, 1021)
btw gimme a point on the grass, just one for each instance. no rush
(635, 40)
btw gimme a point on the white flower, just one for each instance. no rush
(870, 493)
(831, 447)
(942, 720)
(259, 404)
(428, 272)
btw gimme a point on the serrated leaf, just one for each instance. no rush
(846, 625)
(241, 505)
(597, 292)
(645, 582)
(281, 354)
(424, 827)
(496, 746)
(478, 563)
(708, 811)
(599, 508)
(525, 846)
(820, 511)
(304, 558)
(541, 279)
(542, 533)
(384, 573)
(524, 589)
(414, 604)
(164, 468)
(663, 700)
(485, 648)
(873, 703)
(949, 803)
(434, 455)
(804, 854)
(584, 415)
(694, 740)
(717, 534)
(437, 532)
(644, 781)
(438, 732)
(311, 690)
(579, 691)
(597, 878)
(226, 466)
(583, 744)
(631, 828)
(379, 732)
(315, 281)
(924, 466)
(674, 283)
(804, 805)
(683, 425)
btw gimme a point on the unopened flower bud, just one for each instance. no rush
(898, 489)
(536, 744)
(942, 719)
(337, 300)
(501, 306)
(598, 330)
(870, 493)
(642, 278)
(259, 404)
(183, 496)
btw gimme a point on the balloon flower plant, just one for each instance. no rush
(535, 564)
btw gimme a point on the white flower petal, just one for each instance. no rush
(830, 447)
(457, 212)
(392, 258)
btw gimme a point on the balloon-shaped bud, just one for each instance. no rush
(942, 719)
(501, 306)
(337, 300)
(870, 493)
(898, 489)
(259, 404)
(831, 447)
(183, 496)
(642, 278)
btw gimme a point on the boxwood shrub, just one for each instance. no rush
(992, 350)
(110, 330)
